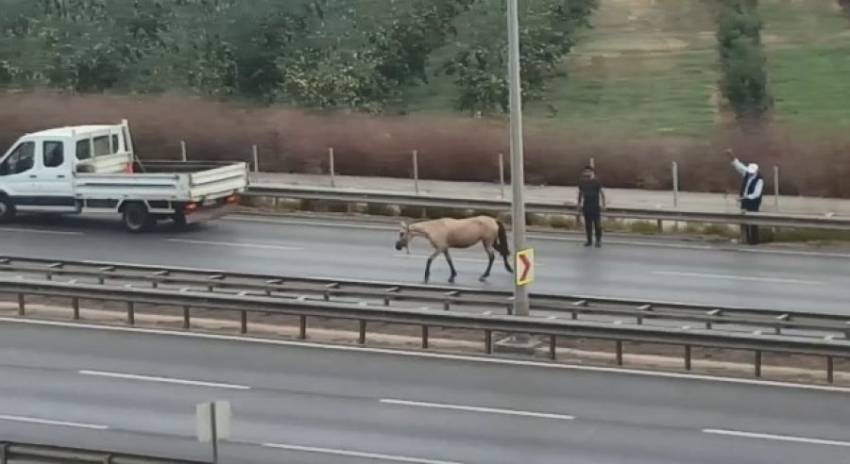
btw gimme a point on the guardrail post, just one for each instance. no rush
(416, 171)
(131, 313)
(302, 327)
(75, 304)
(331, 168)
(244, 326)
(687, 357)
(553, 343)
(675, 168)
(619, 352)
(187, 323)
(4, 453)
(758, 363)
(776, 187)
(501, 175)
(362, 339)
(255, 152)
(830, 369)
(424, 337)
(183, 150)
(22, 305)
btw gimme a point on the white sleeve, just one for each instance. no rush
(739, 166)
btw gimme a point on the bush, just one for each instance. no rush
(449, 148)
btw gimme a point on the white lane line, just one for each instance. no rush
(509, 412)
(39, 231)
(425, 355)
(356, 454)
(146, 378)
(547, 237)
(233, 244)
(739, 277)
(461, 259)
(34, 420)
(766, 436)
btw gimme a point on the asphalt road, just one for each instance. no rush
(135, 391)
(644, 269)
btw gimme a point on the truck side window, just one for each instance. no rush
(83, 150)
(101, 146)
(20, 160)
(54, 154)
(116, 148)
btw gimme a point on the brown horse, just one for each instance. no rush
(448, 233)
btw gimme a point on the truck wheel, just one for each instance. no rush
(179, 220)
(7, 210)
(137, 219)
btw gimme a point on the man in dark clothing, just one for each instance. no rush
(750, 193)
(589, 195)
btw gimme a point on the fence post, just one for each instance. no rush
(675, 168)
(776, 187)
(183, 150)
(416, 171)
(331, 166)
(502, 175)
(256, 153)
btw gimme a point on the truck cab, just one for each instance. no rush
(93, 169)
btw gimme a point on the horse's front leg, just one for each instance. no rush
(451, 266)
(428, 264)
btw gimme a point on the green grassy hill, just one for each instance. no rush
(649, 67)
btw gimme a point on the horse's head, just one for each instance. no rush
(403, 238)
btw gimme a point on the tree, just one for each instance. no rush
(743, 63)
(548, 32)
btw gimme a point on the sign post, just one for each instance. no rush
(212, 421)
(525, 266)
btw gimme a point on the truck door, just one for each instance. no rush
(18, 176)
(55, 183)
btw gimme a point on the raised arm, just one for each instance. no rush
(739, 166)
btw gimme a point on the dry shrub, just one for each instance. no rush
(449, 148)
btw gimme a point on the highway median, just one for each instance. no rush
(573, 351)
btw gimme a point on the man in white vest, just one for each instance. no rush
(750, 193)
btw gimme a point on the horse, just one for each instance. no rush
(446, 233)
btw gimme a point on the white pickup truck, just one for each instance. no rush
(93, 169)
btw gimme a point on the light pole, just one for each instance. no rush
(521, 307)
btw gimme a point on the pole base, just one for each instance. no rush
(517, 344)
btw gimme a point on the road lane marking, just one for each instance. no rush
(39, 231)
(34, 420)
(233, 244)
(460, 259)
(356, 454)
(575, 237)
(766, 436)
(509, 412)
(424, 355)
(146, 378)
(739, 277)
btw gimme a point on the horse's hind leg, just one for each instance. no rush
(451, 266)
(507, 264)
(491, 256)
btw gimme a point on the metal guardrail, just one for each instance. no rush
(11, 452)
(447, 297)
(829, 348)
(436, 201)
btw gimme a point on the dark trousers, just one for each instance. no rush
(751, 233)
(592, 220)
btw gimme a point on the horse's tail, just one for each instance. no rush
(501, 243)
